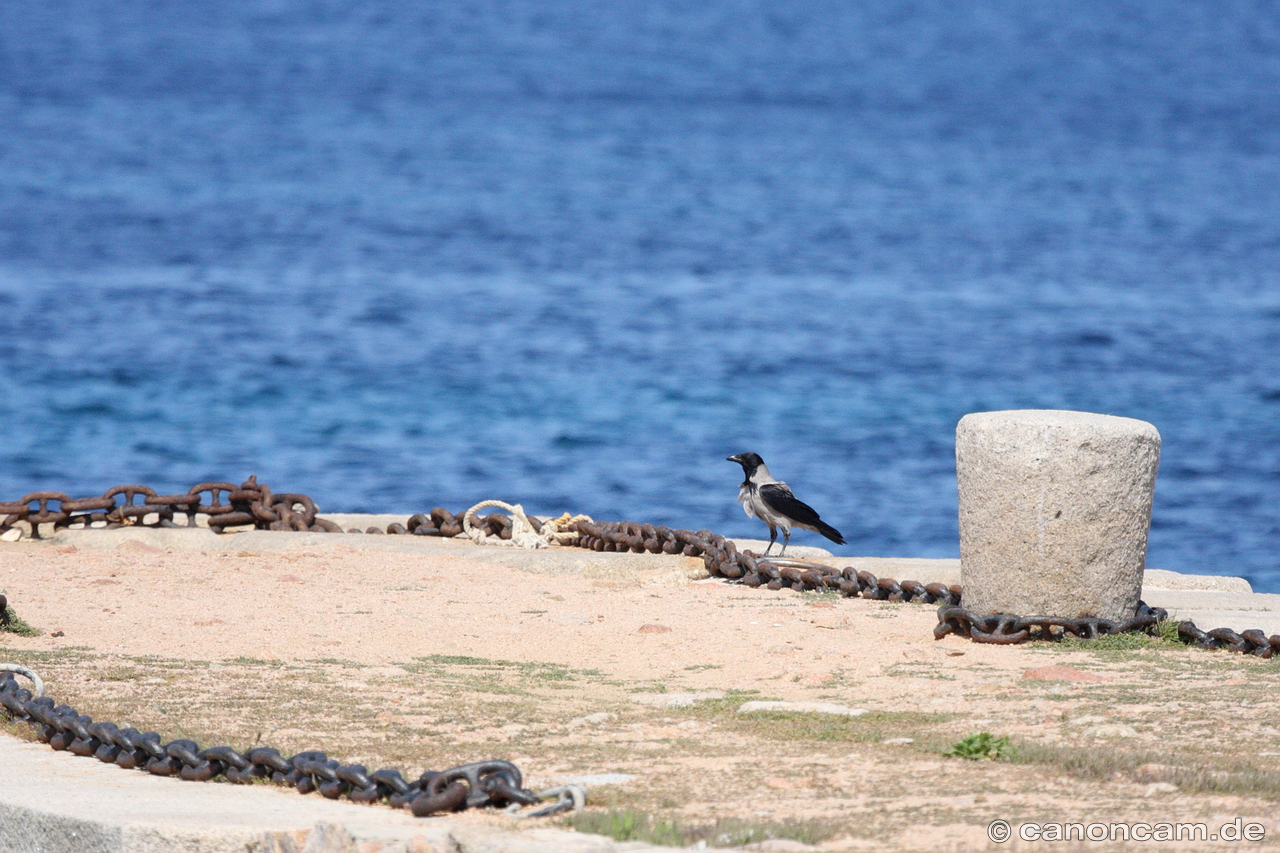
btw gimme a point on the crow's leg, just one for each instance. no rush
(773, 537)
(786, 533)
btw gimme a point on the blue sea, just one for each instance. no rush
(397, 255)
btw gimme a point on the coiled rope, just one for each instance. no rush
(553, 531)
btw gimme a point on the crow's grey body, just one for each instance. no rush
(771, 501)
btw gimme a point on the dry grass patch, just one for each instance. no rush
(1199, 773)
(671, 831)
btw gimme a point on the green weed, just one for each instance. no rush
(629, 826)
(727, 832)
(17, 625)
(979, 746)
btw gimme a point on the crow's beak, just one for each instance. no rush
(735, 458)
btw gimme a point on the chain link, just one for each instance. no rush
(228, 505)
(484, 783)
(250, 503)
(1004, 629)
(722, 559)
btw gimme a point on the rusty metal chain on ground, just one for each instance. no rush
(1005, 630)
(255, 504)
(248, 503)
(495, 783)
(722, 559)
(484, 783)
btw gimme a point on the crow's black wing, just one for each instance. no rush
(780, 499)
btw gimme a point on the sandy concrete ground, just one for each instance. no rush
(572, 663)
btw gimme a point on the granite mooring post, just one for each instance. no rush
(1055, 507)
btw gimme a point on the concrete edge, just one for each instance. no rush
(927, 570)
(54, 802)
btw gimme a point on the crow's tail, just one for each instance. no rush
(830, 532)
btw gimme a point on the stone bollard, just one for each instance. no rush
(1054, 512)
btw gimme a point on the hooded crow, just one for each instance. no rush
(771, 501)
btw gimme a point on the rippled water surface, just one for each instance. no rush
(398, 255)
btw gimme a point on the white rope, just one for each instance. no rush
(523, 534)
(28, 674)
(569, 797)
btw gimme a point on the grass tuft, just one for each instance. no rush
(805, 726)
(629, 826)
(1167, 629)
(1236, 778)
(727, 832)
(17, 625)
(980, 746)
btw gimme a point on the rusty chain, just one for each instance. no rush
(1004, 629)
(722, 559)
(254, 504)
(249, 504)
(484, 783)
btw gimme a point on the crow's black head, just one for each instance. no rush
(749, 462)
